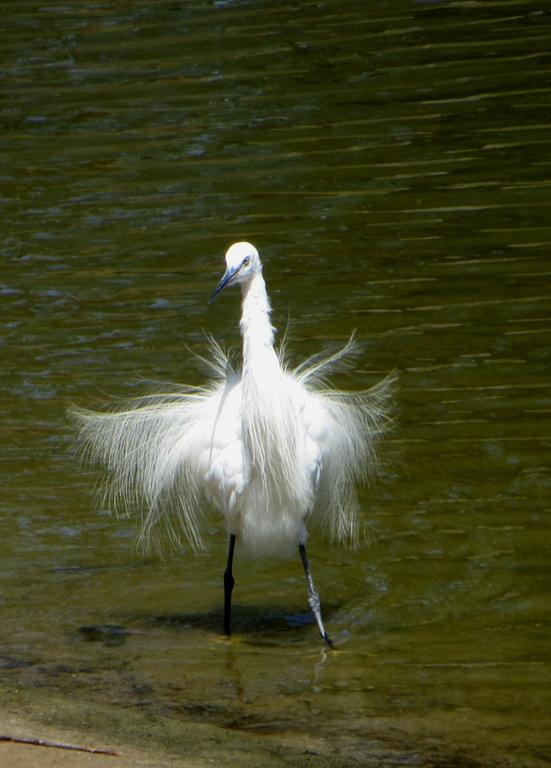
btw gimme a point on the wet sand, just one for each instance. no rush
(138, 739)
(22, 755)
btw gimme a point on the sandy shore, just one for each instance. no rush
(20, 755)
(138, 739)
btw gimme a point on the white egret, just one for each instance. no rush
(270, 448)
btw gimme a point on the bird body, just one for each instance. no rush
(268, 447)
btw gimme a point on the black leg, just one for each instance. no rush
(313, 597)
(229, 582)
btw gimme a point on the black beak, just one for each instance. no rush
(228, 275)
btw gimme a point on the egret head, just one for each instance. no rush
(242, 264)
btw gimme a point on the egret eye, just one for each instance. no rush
(246, 261)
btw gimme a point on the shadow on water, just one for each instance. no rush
(251, 623)
(264, 625)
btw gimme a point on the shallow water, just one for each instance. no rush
(391, 163)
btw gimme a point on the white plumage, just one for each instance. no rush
(268, 447)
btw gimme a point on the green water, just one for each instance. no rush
(392, 162)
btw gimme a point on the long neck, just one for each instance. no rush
(270, 428)
(257, 330)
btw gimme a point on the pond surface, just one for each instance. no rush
(391, 161)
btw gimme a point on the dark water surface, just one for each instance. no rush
(392, 163)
